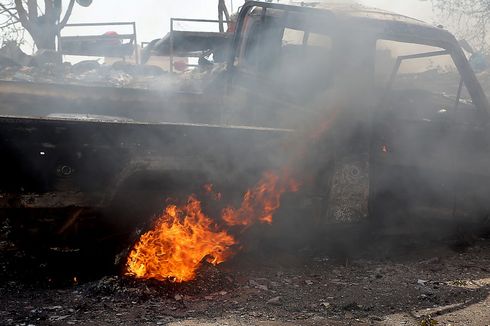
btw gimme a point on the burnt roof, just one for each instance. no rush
(355, 10)
(382, 20)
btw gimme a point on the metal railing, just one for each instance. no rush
(132, 37)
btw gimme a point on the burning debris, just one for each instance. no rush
(184, 236)
(260, 203)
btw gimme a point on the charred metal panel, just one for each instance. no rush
(51, 200)
(430, 161)
(42, 100)
(349, 195)
(348, 200)
(48, 161)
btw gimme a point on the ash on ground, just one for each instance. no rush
(411, 283)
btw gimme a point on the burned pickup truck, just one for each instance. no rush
(378, 115)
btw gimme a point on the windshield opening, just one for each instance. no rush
(292, 58)
(427, 76)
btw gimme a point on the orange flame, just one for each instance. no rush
(209, 189)
(181, 239)
(259, 203)
(184, 236)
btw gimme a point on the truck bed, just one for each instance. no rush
(49, 162)
(44, 99)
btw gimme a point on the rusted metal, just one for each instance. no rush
(90, 45)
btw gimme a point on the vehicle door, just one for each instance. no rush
(281, 66)
(426, 146)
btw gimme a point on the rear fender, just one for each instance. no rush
(154, 168)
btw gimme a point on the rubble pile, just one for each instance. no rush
(47, 67)
(209, 281)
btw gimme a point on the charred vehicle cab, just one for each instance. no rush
(380, 115)
(407, 118)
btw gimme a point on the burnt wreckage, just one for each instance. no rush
(389, 134)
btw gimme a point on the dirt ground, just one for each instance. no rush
(412, 282)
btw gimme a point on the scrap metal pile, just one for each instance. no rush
(46, 67)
